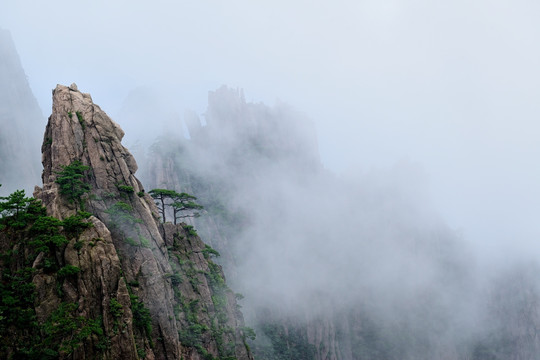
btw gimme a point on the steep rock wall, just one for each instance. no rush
(126, 253)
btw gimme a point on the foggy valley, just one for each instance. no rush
(367, 173)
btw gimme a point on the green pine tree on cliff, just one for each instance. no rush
(183, 205)
(71, 182)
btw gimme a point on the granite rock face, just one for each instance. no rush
(128, 257)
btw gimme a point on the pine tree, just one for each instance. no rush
(71, 183)
(180, 203)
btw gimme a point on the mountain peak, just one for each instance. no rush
(143, 255)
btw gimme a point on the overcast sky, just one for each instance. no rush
(451, 86)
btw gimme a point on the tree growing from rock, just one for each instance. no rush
(182, 205)
(14, 204)
(16, 209)
(71, 184)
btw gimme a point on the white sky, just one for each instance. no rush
(450, 85)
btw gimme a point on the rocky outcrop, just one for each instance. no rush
(128, 260)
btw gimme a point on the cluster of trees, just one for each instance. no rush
(28, 233)
(17, 209)
(73, 187)
(182, 205)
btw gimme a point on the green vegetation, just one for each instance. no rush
(219, 289)
(78, 245)
(130, 241)
(64, 273)
(185, 202)
(141, 317)
(75, 225)
(125, 188)
(120, 213)
(161, 196)
(46, 237)
(68, 270)
(209, 252)
(144, 242)
(200, 321)
(123, 220)
(190, 230)
(71, 183)
(141, 353)
(81, 119)
(183, 205)
(16, 210)
(30, 233)
(248, 333)
(192, 335)
(117, 311)
(64, 324)
(109, 195)
(16, 303)
(60, 334)
(176, 279)
(286, 343)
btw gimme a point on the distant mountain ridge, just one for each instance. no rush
(21, 122)
(332, 268)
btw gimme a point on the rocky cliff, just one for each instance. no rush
(132, 286)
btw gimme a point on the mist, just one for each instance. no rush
(450, 86)
(408, 132)
(306, 246)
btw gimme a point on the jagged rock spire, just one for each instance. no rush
(138, 245)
